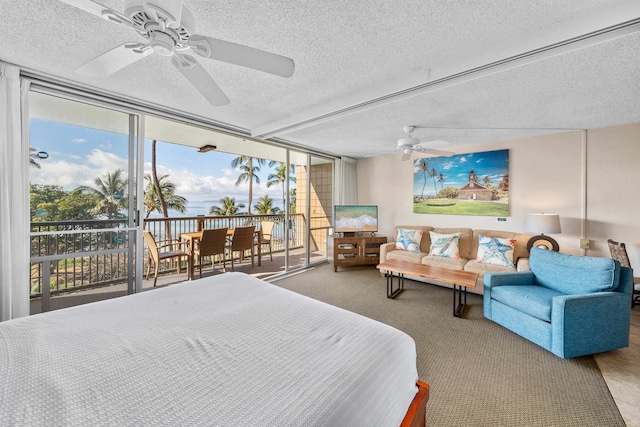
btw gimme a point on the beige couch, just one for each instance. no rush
(468, 246)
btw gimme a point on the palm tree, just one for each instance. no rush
(486, 180)
(248, 173)
(265, 206)
(441, 180)
(228, 207)
(433, 173)
(168, 190)
(293, 194)
(280, 177)
(423, 166)
(111, 193)
(33, 155)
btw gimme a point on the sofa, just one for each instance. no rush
(570, 305)
(468, 244)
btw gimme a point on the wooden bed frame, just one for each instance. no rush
(416, 415)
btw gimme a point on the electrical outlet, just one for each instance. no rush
(584, 243)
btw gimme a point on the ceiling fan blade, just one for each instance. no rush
(244, 56)
(100, 10)
(113, 60)
(200, 79)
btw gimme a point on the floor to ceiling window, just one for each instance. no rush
(86, 203)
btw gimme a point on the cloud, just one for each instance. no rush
(447, 165)
(79, 140)
(479, 160)
(70, 175)
(463, 159)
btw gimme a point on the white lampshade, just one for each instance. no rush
(542, 223)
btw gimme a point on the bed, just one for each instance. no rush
(225, 350)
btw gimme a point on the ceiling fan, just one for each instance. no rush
(410, 144)
(168, 28)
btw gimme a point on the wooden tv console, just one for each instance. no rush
(357, 250)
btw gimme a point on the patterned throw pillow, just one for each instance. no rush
(444, 245)
(409, 240)
(495, 251)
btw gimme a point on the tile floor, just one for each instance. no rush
(621, 370)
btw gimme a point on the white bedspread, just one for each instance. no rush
(228, 350)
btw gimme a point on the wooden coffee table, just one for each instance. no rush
(461, 280)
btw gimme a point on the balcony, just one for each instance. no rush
(86, 261)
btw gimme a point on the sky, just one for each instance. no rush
(78, 155)
(456, 170)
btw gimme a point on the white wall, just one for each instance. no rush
(546, 174)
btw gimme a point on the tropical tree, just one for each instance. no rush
(168, 193)
(52, 203)
(433, 173)
(423, 166)
(504, 183)
(441, 180)
(33, 155)
(159, 195)
(110, 192)
(486, 181)
(227, 207)
(293, 195)
(280, 178)
(265, 206)
(248, 173)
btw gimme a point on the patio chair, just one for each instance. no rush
(266, 228)
(619, 253)
(241, 241)
(157, 252)
(212, 243)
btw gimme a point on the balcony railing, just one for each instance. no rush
(72, 255)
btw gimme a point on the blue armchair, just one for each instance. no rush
(570, 305)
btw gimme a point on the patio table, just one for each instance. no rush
(194, 236)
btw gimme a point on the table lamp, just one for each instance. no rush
(542, 223)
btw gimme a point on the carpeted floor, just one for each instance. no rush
(479, 373)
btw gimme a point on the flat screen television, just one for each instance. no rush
(351, 219)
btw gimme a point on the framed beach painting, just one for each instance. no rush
(464, 184)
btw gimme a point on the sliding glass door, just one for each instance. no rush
(82, 201)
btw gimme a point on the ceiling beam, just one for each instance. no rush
(533, 48)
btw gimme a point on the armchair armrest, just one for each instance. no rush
(517, 278)
(589, 323)
(170, 242)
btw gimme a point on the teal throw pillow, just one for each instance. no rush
(495, 251)
(409, 240)
(444, 245)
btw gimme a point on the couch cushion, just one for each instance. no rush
(444, 245)
(464, 244)
(481, 268)
(442, 262)
(494, 250)
(571, 274)
(409, 239)
(531, 299)
(406, 255)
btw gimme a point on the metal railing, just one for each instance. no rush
(72, 255)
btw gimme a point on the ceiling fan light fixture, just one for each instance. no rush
(403, 142)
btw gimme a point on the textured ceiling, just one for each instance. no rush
(349, 53)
